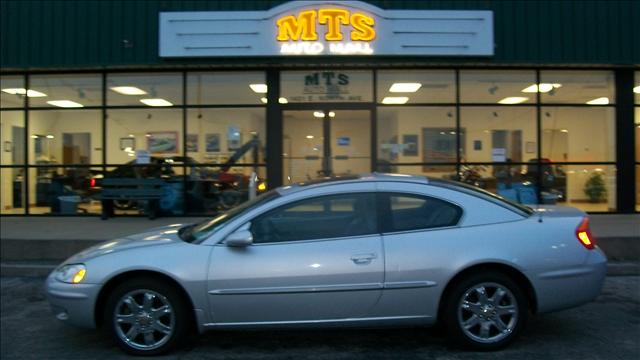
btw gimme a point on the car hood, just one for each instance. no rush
(154, 237)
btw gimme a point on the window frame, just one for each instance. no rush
(283, 207)
(385, 217)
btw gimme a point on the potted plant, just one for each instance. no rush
(595, 188)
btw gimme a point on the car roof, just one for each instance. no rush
(336, 180)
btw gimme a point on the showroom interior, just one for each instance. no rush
(528, 130)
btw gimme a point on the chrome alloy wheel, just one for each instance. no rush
(144, 319)
(488, 312)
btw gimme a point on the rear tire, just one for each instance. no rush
(146, 316)
(485, 311)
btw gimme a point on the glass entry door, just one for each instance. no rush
(319, 143)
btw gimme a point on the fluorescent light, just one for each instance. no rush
(128, 90)
(395, 100)
(564, 130)
(50, 136)
(264, 100)
(155, 102)
(513, 100)
(65, 103)
(405, 87)
(283, 100)
(318, 114)
(599, 101)
(23, 91)
(309, 136)
(636, 89)
(542, 87)
(34, 136)
(332, 114)
(259, 88)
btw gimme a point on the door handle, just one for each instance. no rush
(362, 259)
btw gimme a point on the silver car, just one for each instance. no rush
(367, 250)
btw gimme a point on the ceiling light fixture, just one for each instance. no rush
(283, 100)
(513, 100)
(599, 101)
(264, 100)
(542, 87)
(636, 89)
(23, 91)
(318, 114)
(156, 102)
(405, 87)
(395, 100)
(128, 90)
(309, 136)
(332, 114)
(259, 88)
(65, 103)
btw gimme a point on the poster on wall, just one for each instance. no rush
(162, 142)
(212, 142)
(192, 142)
(410, 143)
(234, 137)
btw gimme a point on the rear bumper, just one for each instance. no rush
(570, 287)
(72, 303)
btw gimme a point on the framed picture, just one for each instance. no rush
(162, 142)
(127, 142)
(234, 137)
(410, 145)
(212, 142)
(192, 142)
(530, 147)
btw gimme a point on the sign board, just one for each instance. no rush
(143, 156)
(326, 28)
(498, 154)
(344, 141)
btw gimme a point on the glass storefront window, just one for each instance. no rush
(505, 87)
(417, 135)
(416, 86)
(498, 134)
(325, 86)
(12, 137)
(148, 89)
(445, 172)
(158, 131)
(12, 91)
(584, 134)
(66, 91)
(590, 187)
(219, 136)
(226, 88)
(65, 137)
(13, 190)
(577, 87)
(64, 190)
(636, 89)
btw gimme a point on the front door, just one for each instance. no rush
(315, 260)
(319, 143)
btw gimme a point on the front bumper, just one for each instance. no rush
(570, 287)
(72, 303)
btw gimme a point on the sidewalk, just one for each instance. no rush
(32, 246)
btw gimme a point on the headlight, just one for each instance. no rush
(73, 273)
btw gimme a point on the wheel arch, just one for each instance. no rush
(515, 274)
(120, 278)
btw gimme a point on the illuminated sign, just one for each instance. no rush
(300, 33)
(328, 27)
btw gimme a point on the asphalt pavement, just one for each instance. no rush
(607, 328)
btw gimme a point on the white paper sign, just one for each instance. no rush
(499, 154)
(143, 157)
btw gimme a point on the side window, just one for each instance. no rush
(318, 218)
(413, 212)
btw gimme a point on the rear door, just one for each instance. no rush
(316, 259)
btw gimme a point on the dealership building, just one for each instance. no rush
(537, 101)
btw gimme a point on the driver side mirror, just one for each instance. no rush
(242, 237)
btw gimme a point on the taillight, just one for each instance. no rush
(92, 182)
(583, 233)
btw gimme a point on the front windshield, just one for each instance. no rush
(196, 233)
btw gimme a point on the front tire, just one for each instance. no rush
(485, 311)
(146, 316)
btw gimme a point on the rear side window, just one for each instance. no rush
(318, 218)
(415, 212)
